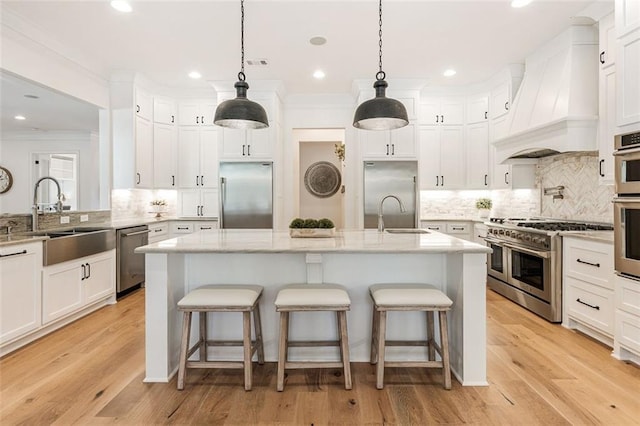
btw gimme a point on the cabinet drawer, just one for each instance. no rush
(458, 228)
(590, 304)
(589, 261)
(158, 232)
(434, 226)
(628, 295)
(205, 226)
(182, 227)
(628, 331)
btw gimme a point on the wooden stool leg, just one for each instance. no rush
(184, 348)
(382, 328)
(344, 348)
(282, 348)
(444, 339)
(374, 335)
(203, 335)
(246, 343)
(430, 336)
(257, 324)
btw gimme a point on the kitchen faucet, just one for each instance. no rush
(34, 212)
(380, 219)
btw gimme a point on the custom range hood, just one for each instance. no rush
(556, 107)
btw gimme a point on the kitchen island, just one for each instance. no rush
(353, 258)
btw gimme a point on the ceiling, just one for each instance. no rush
(164, 40)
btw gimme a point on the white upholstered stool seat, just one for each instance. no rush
(307, 298)
(410, 297)
(221, 298)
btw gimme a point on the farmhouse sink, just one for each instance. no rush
(406, 231)
(74, 243)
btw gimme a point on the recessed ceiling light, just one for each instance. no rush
(20, 117)
(317, 40)
(195, 75)
(121, 6)
(319, 74)
(449, 73)
(520, 3)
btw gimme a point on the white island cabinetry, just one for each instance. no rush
(355, 259)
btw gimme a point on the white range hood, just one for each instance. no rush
(556, 108)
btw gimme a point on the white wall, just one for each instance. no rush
(16, 152)
(310, 205)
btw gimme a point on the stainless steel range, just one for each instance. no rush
(526, 263)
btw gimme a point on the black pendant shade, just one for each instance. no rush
(241, 113)
(380, 113)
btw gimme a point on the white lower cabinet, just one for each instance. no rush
(20, 295)
(70, 286)
(588, 287)
(458, 229)
(181, 227)
(627, 319)
(158, 232)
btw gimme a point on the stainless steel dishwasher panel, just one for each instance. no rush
(130, 265)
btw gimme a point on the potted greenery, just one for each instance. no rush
(311, 228)
(484, 206)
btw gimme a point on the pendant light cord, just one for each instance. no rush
(241, 75)
(381, 74)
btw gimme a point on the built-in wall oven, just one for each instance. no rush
(626, 218)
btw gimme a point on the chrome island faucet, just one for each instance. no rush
(380, 219)
(34, 209)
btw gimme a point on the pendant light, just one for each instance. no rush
(380, 113)
(241, 113)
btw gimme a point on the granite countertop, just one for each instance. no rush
(602, 236)
(345, 241)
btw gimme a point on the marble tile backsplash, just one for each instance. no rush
(584, 197)
(136, 203)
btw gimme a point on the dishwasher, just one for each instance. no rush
(130, 265)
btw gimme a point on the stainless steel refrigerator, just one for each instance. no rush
(246, 194)
(382, 178)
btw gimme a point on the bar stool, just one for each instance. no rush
(307, 298)
(221, 298)
(409, 297)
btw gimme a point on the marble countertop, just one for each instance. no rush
(345, 241)
(602, 236)
(13, 239)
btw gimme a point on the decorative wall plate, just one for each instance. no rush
(6, 180)
(322, 179)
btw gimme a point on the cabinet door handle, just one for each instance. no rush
(197, 120)
(597, 265)
(205, 228)
(201, 180)
(197, 180)
(437, 118)
(437, 180)
(506, 178)
(600, 168)
(602, 57)
(441, 180)
(14, 254)
(387, 149)
(486, 114)
(137, 108)
(248, 149)
(457, 228)
(485, 180)
(173, 180)
(243, 150)
(138, 178)
(173, 118)
(442, 119)
(202, 119)
(88, 270)
(84, 272)
(183, 228)
(393, 149)
(596, 307)
(506, 106)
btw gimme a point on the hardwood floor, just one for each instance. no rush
(91, 371)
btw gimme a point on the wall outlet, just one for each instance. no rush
(84, 217)
(64, 219)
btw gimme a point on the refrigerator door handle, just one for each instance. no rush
(223, 196)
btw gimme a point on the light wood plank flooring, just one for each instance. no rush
(90, 373)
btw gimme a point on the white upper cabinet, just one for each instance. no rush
(607, 41)
(390, 144)
(165, 154)
(477, 144)
(607, 124)
(144, 104)
(144, 153)
(627, 14)
(196, 113)
(247, 144)
(442, 111)
(477, 109)
(164, 111)
(500, 100)
(197, 157)
(442, 157)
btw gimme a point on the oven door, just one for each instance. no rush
(626, 224)
(530, 271)
(497, 261)
(627, 171)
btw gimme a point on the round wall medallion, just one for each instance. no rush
(322, 179)
(6, 180)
